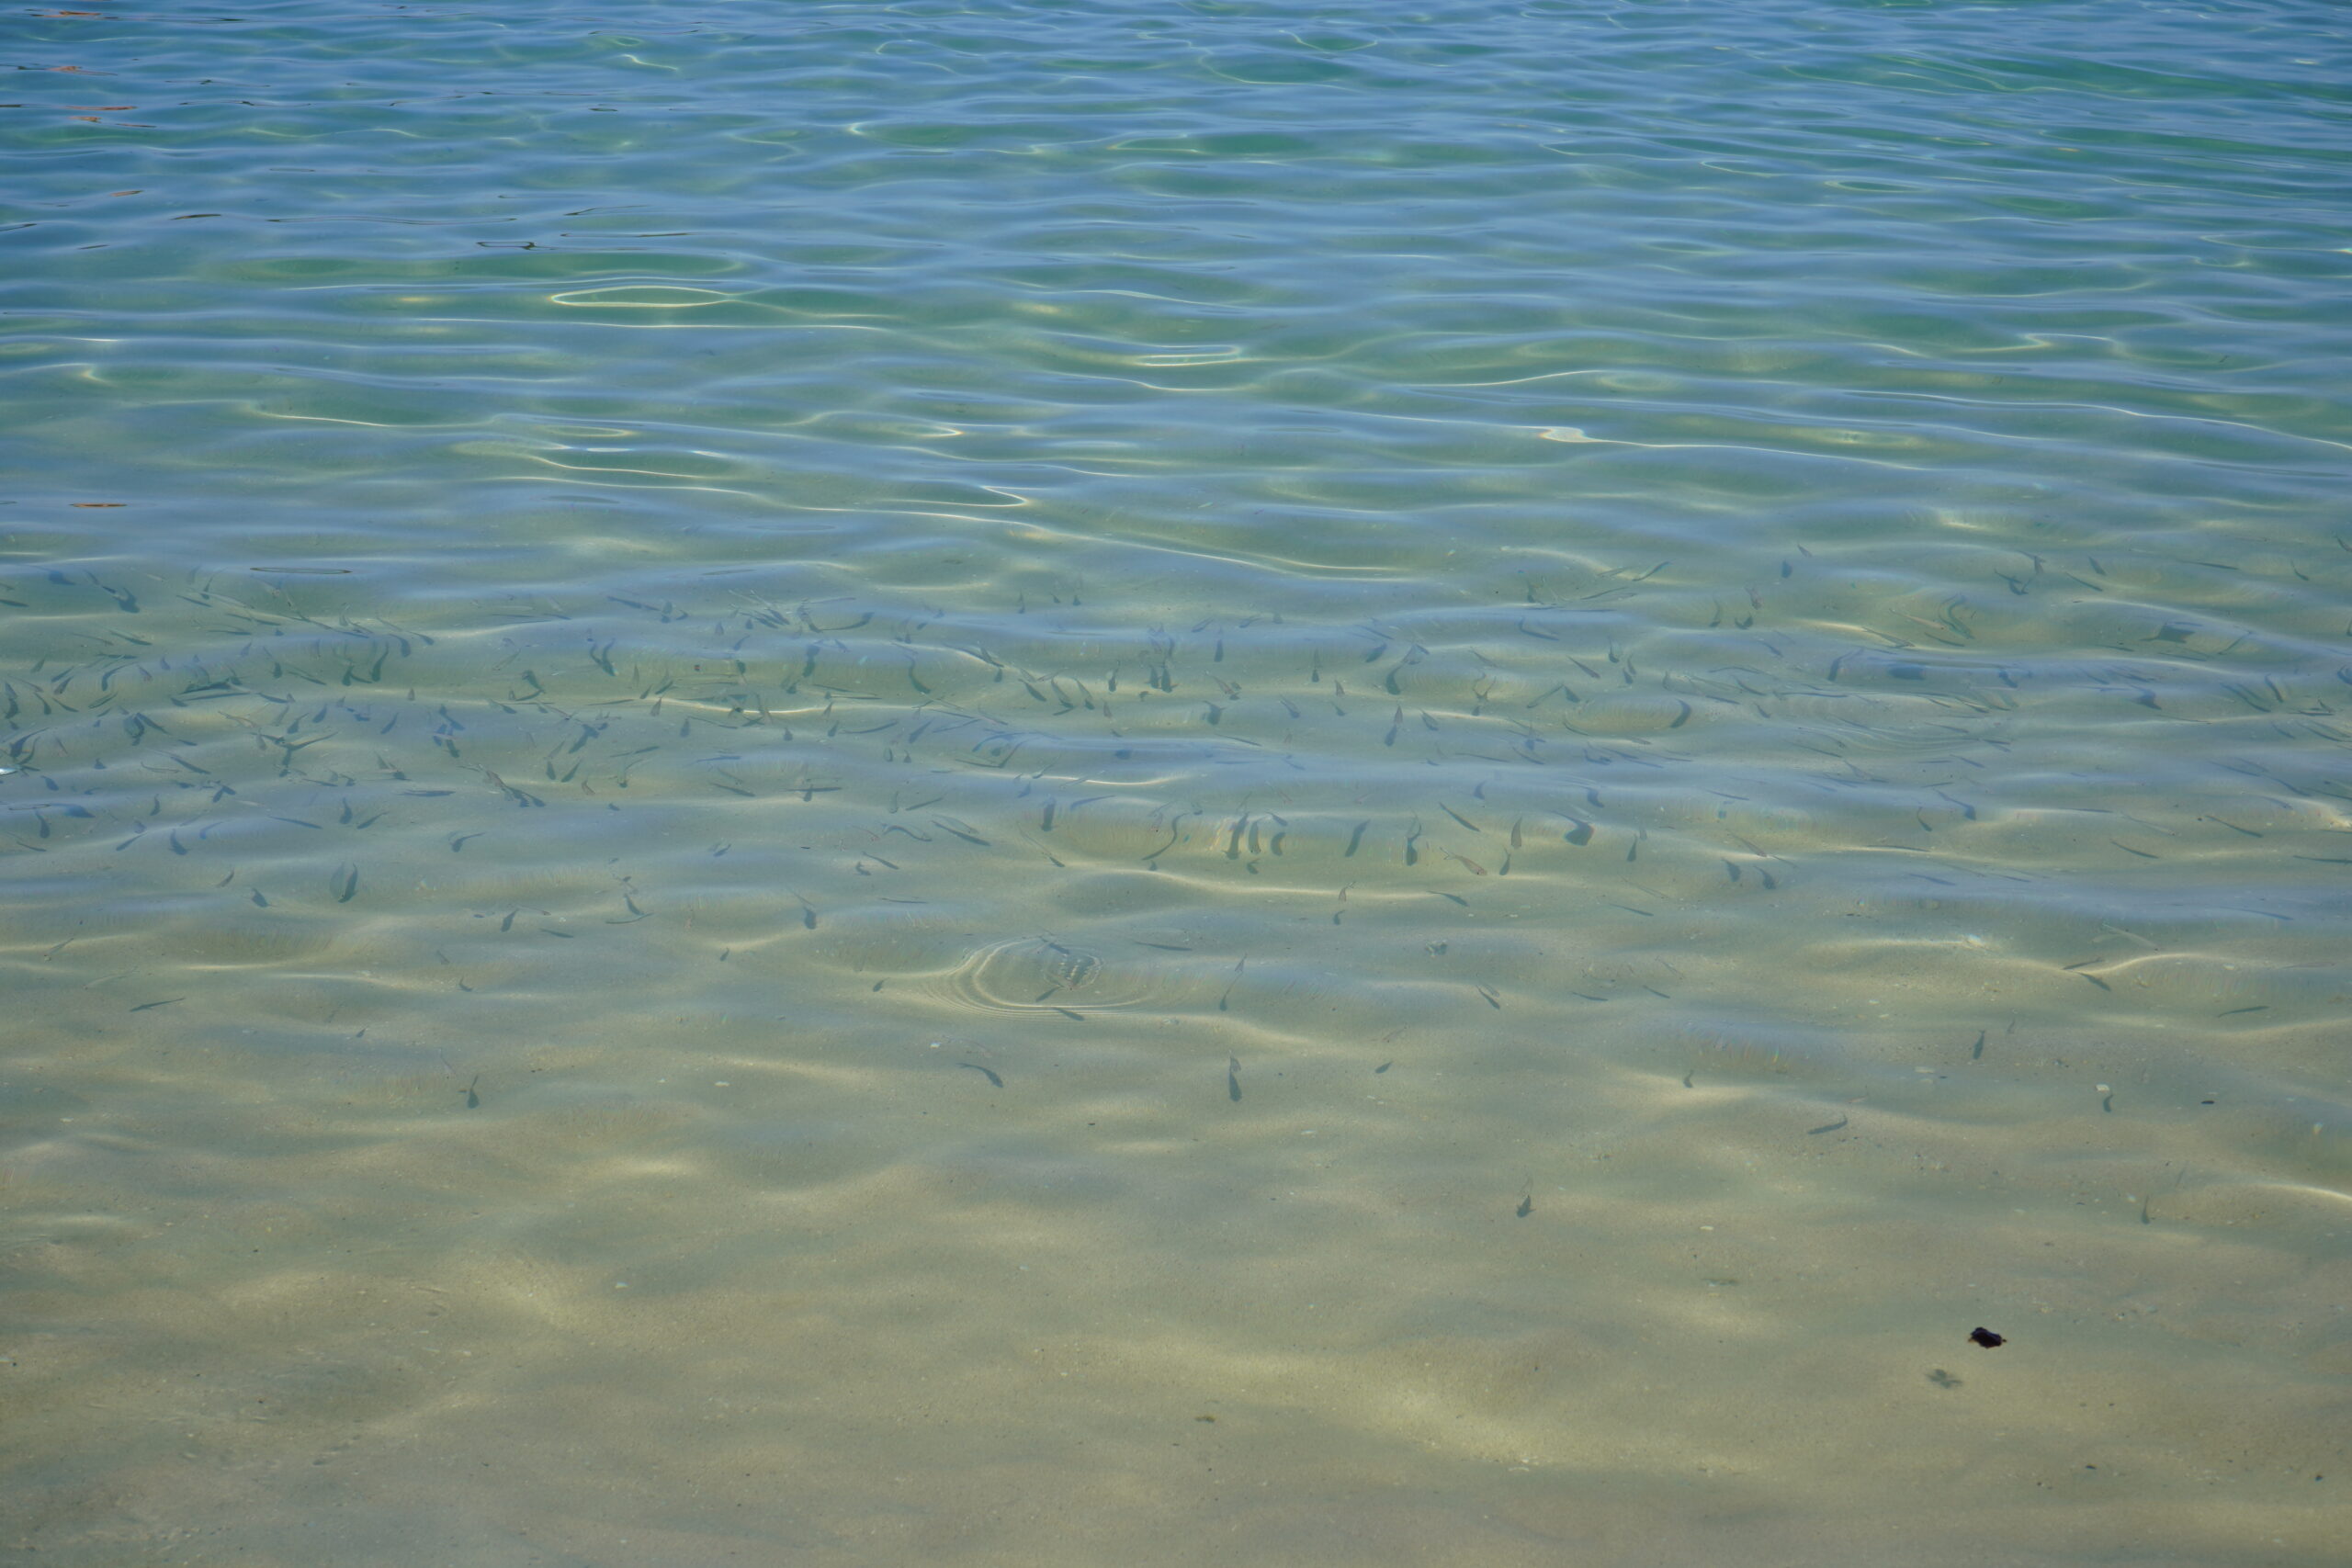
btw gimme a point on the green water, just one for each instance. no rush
(1057, 784)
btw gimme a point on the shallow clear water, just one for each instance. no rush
(1176, 783)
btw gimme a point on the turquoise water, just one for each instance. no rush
(1049, 784)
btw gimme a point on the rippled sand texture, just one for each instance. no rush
(1192, 784)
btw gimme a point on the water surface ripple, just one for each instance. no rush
(1028, 782)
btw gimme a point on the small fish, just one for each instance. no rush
(1526, 1206)
(1224, 1002)
(994, 1081)
(1233, 1078)
(473, 1100)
